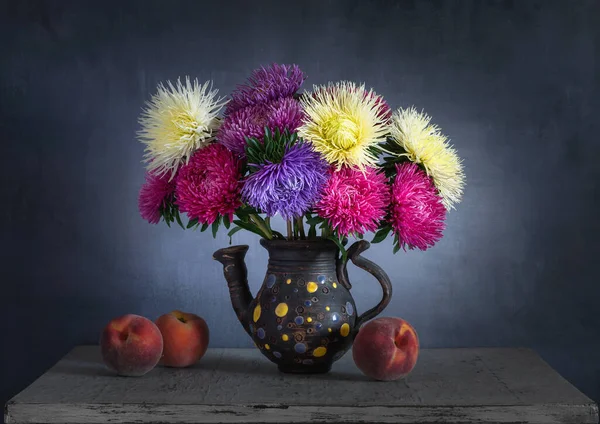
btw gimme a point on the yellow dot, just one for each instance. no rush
(335, 285)
(329, 329)
(285, 338)
(312, 287)
(309, 319)
(327, 308)
(345, 330)
(256, 313)
(281, 310)
(267, 347)
(320, 351)
(288, 281)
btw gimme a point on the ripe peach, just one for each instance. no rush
(386, 349)
(131, 345)
(185, 338)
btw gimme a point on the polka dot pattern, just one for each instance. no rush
(302, 319)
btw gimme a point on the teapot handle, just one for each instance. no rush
(354, 255)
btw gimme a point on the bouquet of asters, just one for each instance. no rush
(333, 162)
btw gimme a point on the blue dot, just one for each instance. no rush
(335, 317)
(349, 308)
(300, 347)
(251, 328)
(318, 325)
(307, 303)
(261, 333)
(299, 320)
(279, 327)
(321, 279)
(271, 281)
(277, 354)
(295, 290)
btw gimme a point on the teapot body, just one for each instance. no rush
(303, 318)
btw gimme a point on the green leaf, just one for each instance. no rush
(178, 218)
(249, 227)
(192, 223)
(359, 236)
(312, 232)
(381, 234)
(396, 248)
(341, 246)
(204, 227)
(215, 227)
(226, 221)
(232, 232)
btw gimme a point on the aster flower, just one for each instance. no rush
(267, 84)
(178, 120)
(209, 185)
(289, 187)
(423, 143)
(417, 212)
(250, 121)
(354, 201)
(155, 195)
(345, 123)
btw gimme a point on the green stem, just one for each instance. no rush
(289, 229)
(300, 225)
(261, 224)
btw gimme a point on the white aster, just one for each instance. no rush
(178, 120)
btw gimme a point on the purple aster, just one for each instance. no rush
(290, 187)
(266, 84)
(250, 121)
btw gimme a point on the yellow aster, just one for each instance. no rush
(345, 123)
(424, 144)
(178, 120)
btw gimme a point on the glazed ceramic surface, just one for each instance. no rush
(303, 317)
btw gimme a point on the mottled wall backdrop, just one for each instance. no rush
(514, 84)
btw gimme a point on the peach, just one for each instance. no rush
(131, 345)
(386, 349)
(185, 338)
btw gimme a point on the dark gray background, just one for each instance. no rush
(514, 84)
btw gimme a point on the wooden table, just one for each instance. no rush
(241, 386)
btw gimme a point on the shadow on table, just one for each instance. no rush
(267, 368)
(225, 365)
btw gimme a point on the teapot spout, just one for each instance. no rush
(236, 274)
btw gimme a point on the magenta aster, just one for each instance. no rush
(154, 195)
(266, 84)
(417, 211)
(209, 185)
(354, 201)
(250, 121)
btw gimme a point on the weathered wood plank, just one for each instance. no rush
(239, 385)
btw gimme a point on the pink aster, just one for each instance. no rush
(354, 201)
(154, 196)
(209, 185)
(250, 121)
(417, 211)
(385, 111)
(266, 84)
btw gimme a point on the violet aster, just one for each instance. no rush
(209, 185)
(284, 113)
(266, 84)
(290, 187)
(417, 211)
(354, 201)
(155, 195)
